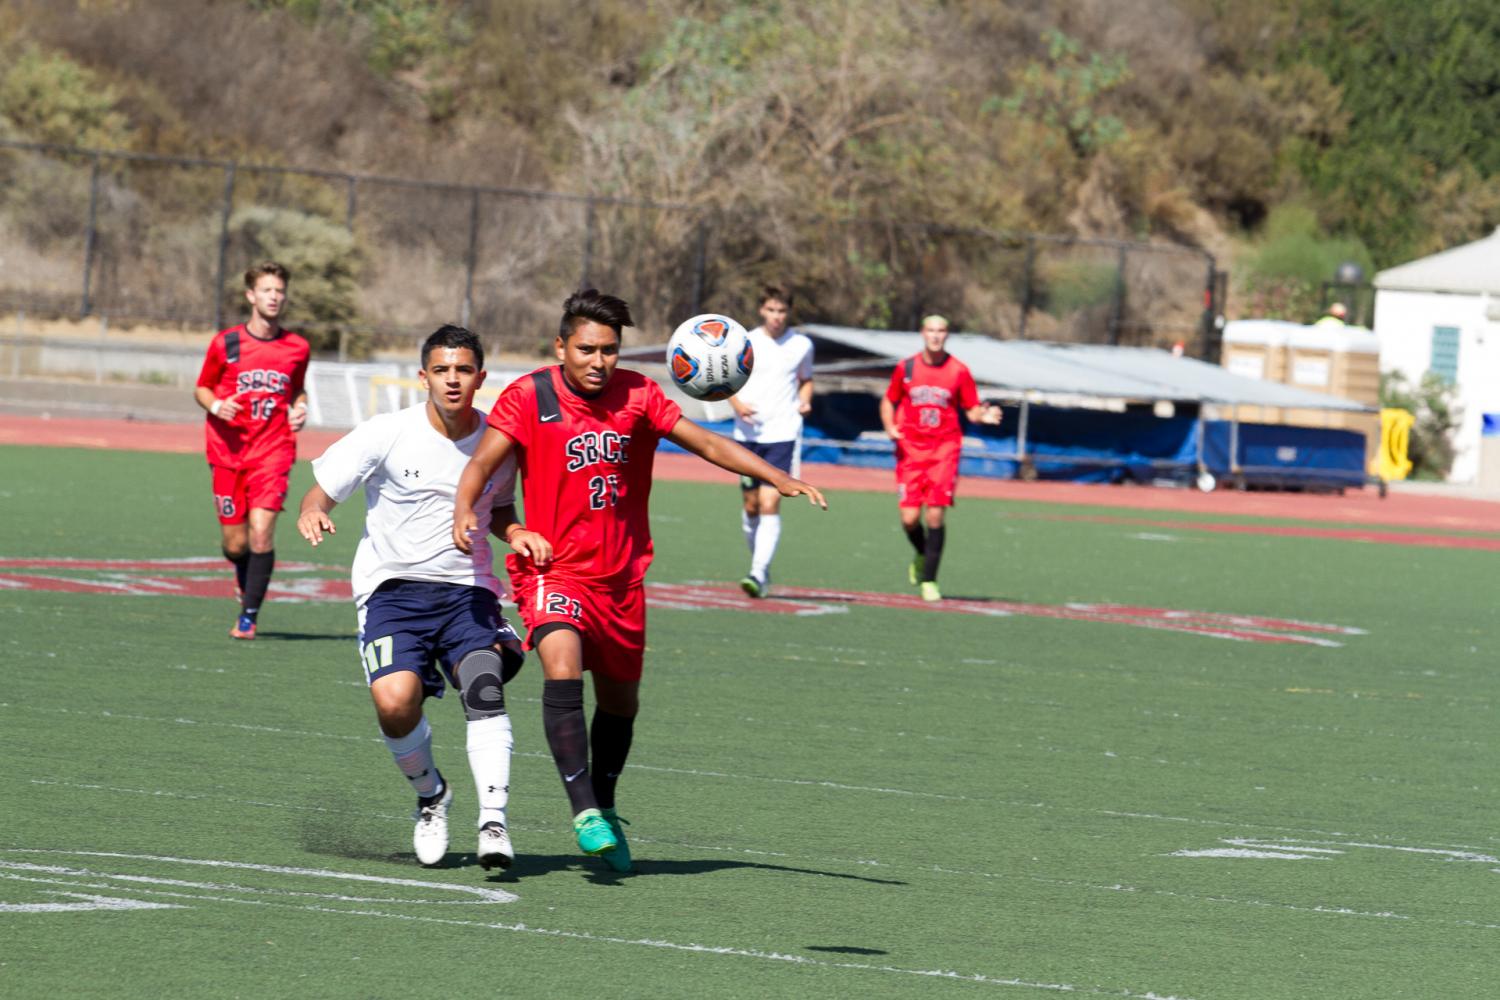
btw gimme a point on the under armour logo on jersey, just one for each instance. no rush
(413, 473)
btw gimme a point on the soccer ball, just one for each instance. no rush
(709, 357)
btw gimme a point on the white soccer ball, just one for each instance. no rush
(709, 356)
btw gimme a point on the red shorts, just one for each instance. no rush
(238, 490)
(611, 622)
(928, 476)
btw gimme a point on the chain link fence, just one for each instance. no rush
(378, 262)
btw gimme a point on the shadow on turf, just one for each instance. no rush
(534, 865)
(541, 864)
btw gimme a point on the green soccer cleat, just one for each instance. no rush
(595, 836)
(755, 587)
(929, 590)
(914, 571)
(619, 858)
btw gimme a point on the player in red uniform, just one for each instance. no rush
(920, 413)
(585, 435)
(251, 386)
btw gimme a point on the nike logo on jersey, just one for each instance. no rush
(550, 417)
(570, 778)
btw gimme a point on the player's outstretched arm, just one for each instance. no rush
(734, 457)
(493, 448)
(505, 525)
(985, 413)
(225, 409)
(312, 515)
(296, 414)
(888, 419)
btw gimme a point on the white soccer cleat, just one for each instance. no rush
(494, 846)
(430, 838)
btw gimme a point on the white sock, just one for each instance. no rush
(413, 753)
(765, 545)
(490, 742)
(749, 522)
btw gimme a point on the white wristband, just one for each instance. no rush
(214, 406)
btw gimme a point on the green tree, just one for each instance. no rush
(1285, 271)
(1421, 90)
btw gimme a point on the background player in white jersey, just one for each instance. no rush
(424, 605)
(768, 414)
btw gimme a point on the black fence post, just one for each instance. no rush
(472, 261)
(700, 266)
(1209, 345)
(1027, 297)
(223, 245)
(588, 243)
(1117, 307)
(91, 237)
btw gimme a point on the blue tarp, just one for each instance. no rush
(1098, 446)
(1277, 455)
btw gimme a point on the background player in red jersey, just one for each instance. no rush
(585, 436)
(251, 386)
(920, 413)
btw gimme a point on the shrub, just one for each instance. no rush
(48, 97)
(322, 257)
(1430, 446)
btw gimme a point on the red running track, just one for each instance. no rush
(1435, 514)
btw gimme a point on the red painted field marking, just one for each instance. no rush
(1362, 507)
(303, 582)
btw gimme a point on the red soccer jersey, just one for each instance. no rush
(928, 397)
(585, 465)
(267, 375)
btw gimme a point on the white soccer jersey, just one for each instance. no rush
(410, 473)
(780, 366)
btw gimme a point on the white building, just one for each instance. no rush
(1442, 314)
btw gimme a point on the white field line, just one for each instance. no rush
(896, 869)
(483, 894)
(727, 776)
(837, 786)
(278, 731)
(521, 928)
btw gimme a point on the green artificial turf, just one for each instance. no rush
(868, 802)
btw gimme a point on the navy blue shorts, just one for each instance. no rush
(783, 455)
(427, 628)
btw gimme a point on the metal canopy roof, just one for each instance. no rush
(1020, 366)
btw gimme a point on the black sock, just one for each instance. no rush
(917, 537)
(568, 738)
(933, 554)
(257, 579)
(241, 565)
(610, 736)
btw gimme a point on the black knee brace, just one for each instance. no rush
(479, 685)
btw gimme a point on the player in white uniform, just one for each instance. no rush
(428, 612)
(768, 414)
